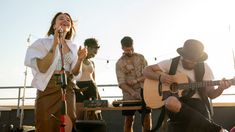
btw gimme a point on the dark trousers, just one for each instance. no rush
(193, 117)
(88, 90)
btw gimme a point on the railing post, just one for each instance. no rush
(18, 104)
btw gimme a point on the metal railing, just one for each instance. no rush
(13, 94)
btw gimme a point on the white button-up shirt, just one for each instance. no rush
(39, 49)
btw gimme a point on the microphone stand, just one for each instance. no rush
(63, 89)
(233, 59)
(20, 111)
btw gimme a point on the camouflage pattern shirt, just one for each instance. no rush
(129, 68)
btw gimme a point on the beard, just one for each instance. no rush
(129, 54)
(188, 66)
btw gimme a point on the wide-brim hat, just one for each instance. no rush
(193, 49)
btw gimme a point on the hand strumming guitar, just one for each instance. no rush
(167, 79)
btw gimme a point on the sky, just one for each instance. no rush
(158, 28)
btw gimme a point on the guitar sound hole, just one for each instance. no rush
(174, 88)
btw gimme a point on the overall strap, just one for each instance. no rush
(174, 65)
(199, 73)
(172, 71)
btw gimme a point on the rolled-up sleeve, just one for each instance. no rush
(36, 50)
(119, 73)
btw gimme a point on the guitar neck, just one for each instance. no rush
(195, 85)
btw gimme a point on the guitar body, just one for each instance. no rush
(153, 92)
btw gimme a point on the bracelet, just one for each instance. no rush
(159, 78)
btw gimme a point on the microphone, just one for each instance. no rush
(61, 32)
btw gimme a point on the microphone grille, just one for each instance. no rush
(61, 30)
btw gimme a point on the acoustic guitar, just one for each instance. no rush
(153, 89)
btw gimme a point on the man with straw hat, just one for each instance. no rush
(190, 111)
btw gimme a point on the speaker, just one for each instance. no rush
(91, 126)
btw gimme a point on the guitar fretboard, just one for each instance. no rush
(195, 85)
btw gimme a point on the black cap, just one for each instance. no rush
(91, 42)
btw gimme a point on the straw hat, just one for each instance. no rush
(193, 49)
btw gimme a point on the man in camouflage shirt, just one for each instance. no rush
(130, 79)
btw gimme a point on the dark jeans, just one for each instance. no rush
(193, 117)
(88, 90)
